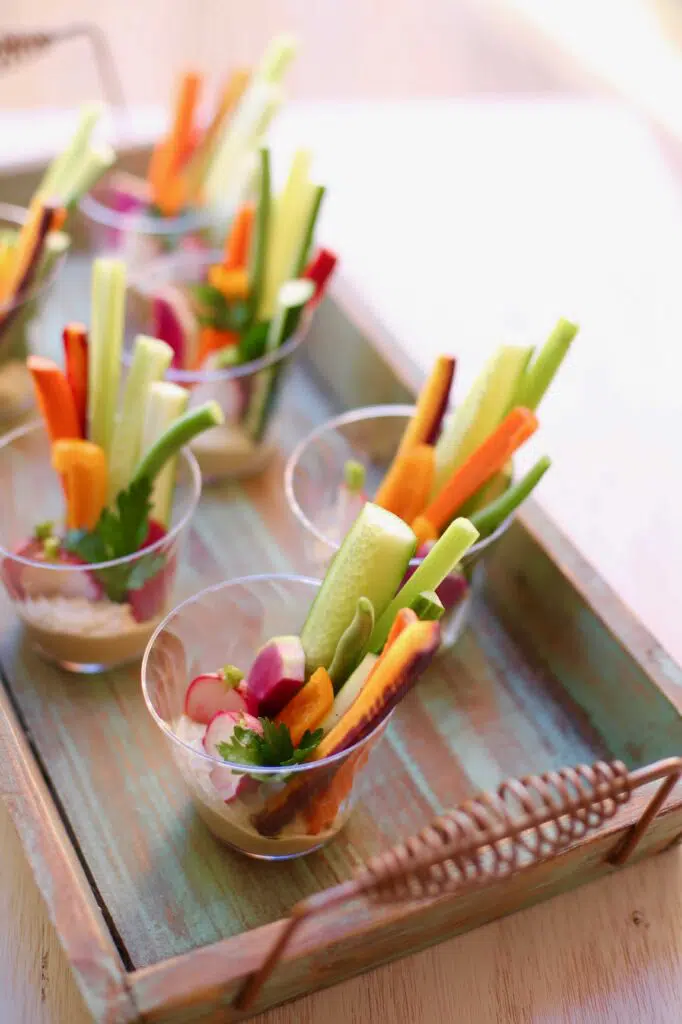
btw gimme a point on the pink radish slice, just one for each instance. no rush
(277, 674)
(38, 580)
(174, 322)
(209, 694)
(219, 730)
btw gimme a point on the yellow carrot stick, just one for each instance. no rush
(83, 468)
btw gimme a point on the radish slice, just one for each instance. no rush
(174, 322)
(220, 729)
(277, 674)
(36, 580)
(209, 694)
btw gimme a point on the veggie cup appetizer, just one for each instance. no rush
(198, 171)
(110, 492)
(428, 467)
(271, 713)
(235, 317)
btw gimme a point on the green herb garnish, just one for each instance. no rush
(274, 749)
(44, 530)
(232, 675)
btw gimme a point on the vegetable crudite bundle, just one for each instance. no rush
(272, 747)
(200, 169)
(92, 582)
(428, 466)
(235, 317)
(33, 244)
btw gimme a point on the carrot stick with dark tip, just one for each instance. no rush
(481, 465)
(26, 253)
(239, 238)
(75, 339)
(54, 397)
(404, 618)
(83, 468)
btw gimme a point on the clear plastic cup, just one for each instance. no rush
(119, 225)
(64, 605)
(243, 445)
(275, 813)
(20, 324)
(312, 481)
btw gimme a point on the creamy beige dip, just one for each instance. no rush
(228, 451)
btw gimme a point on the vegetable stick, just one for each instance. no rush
(13, 328)
(439, 563)
(179, 433)
(306, 235)
(541, 372)
(151, 359)
(406, 487)
(309, 706)
(186, 102)
(54, 399)
(26, 251)
(404, 618)
(238, 240)
(427, 606)
(166, 403)
(90, 169)
(348, 692)
(212, 339)
(278, 55)
(489, 492)
(83, 468)
(319, 271)
(432, 403)
(481, 465)
(234, 284)
(58, 175)
(106, 340)
(200, 161)
(288, 210)
(484, 408)
(320, 814)
(75, 340)
(260, 234)
(352, 643)
(493, 515)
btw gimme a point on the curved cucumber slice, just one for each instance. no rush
(370, 563)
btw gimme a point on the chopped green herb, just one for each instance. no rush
(274, 749)
(51, 547)
(232, 675)
(44, 530)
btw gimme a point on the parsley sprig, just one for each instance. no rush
(274, 749)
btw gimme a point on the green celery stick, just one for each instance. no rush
(354, 475)
(489, 518)
(427, 606)
(58, 175)
(106, 340)
(541, 372)
(165, 404)
(178, 434)
(258, 253)
(288, 212)
(151, 359)
(91, 167)
(352, 643)
(371, 563)
(306, 238)
(439, 563)
(278, 56)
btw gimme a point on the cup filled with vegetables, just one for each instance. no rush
(272, 691)
(428, 465)
(198, 170)
(98, 496)
(235, 317)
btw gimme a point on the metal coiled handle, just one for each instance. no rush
(18, 47)
(524, 822)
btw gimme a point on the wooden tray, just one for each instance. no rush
(163, 924)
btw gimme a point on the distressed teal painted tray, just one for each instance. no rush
(161, 923)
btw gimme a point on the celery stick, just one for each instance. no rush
(439, 563)
(483, 410)
(370, 563)
(428, 606)
(151, 359)
(540, 374)
(489, 518)
(308, 232)
(106, 340)
(178, 434)
(91, 168)
(258, 253)
(58, 175)
(165, 404)
(288, 210)
(278, 56)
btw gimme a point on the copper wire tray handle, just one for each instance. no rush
(488, 838)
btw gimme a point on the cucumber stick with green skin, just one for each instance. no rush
(352, 643)
(166, 403)
(287, 220)
(104, 353)
(541, 372)
(439, 563)
(371, 563)
(493, 515)
(151, 359)
(180, 433)
(291, 301)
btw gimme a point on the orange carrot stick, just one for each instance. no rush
(27, 251)
(84, 470)
(321, 813)
(211, 339)
(197, 165)
(54, 398)
(185, 108)
(310, 705)
(234, 284)
(239, 238)
(406, 488)
(404, 618)
(482, 464)
(75, 339)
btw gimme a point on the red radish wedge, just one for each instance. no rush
(277, 674)
(174, 322)
(208, 695)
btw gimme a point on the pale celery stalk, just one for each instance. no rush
(94, 163)
(261, 232)
(481, 412)
(178, 434)
(151, 359)
(106, 340)
(165, 404)
(288, 211)
(58, 175)
(439, 563)
(541, 372)
(278, 56)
